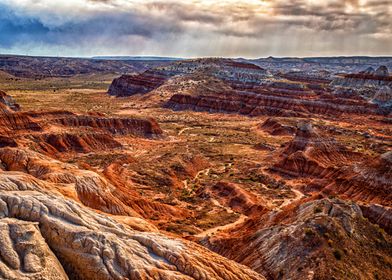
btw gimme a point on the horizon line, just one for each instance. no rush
(97, 57)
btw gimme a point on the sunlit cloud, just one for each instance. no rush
(196, 27)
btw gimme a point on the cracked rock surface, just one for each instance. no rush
(24, 254)
(48, 232)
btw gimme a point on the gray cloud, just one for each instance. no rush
(197, 28)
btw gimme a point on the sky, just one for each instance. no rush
(196, 28)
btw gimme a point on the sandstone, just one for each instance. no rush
(93, 246)
(306, 237)
(72, 142)
(311, 154)
(25, 253)
(138, 127)
(273, 127)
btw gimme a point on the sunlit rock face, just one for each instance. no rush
(243, 173)
(25, 253)
(232, 86)
(310, 236)
(88, 245)
(368, 78)
(228, 70)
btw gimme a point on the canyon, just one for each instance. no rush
(209, 168)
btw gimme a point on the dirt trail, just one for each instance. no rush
(211, 231)
(242, 218)
(299, 195)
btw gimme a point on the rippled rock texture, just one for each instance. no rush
(320, 239)
(89, 245)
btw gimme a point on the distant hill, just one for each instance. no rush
(39, 67)
(142, 58)
(347, 64)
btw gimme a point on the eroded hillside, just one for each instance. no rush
(199, 169)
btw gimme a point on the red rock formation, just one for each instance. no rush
(380, 215)
(114, 196)
(236, 198)
(116, 174)
(85, 186)
(369, 181)
(127, 85)
(11, 123)
(320, 239)
(273, 127)
(73, 142)
(89, 245)
(253, 104)
(7, 142)
(138, 127)
(234, 72)
(310, 154)
(251, 91)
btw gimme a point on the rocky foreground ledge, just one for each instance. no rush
(46, 236)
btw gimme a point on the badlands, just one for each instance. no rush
(208, 168)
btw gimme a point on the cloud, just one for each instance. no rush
(196, 27)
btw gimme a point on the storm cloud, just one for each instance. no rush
(196, 27)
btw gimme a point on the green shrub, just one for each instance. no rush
(318, 210)
(309, 232)
(338, 254)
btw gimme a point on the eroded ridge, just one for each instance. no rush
(92, 246)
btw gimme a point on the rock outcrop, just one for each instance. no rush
(8, 102)
(12, 121)
(237, 199)
(241, 88)
(369, 78)
(127, 85)
(254, 104)
(379, 215)
(52, 143)
(139, 127)
(383, 96)
(368, 181)
(24, 253)
(88, 187)
(382, 71)
(319, 239)
(273, 127)
(93, 246)
(311, 154)
(233, 72)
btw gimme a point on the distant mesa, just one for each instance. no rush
(368, 71)
(382, 71)
(41, 67)
(383, 95)
(138, 58)
(230, 86)
(226, 69)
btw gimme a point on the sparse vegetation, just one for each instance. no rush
(338, 254)
(309, 232)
